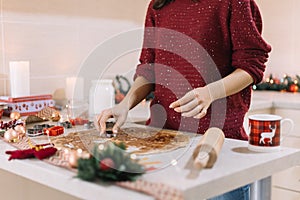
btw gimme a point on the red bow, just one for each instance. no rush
(37, 152)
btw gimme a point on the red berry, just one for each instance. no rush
(72, 121)
(78, 121)
(106, 164)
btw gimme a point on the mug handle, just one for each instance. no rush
(286, 120)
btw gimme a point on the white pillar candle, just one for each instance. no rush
(75, 88)
(19, 78)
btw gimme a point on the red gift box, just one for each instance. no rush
(28, 105)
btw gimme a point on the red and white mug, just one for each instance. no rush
(265, 132)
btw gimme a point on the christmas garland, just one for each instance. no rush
(110, 162)
(287, 83)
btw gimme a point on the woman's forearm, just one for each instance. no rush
(229, 85)
(138, 91)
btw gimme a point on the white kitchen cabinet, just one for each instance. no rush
(284, 194)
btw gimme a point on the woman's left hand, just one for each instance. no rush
(193, 104)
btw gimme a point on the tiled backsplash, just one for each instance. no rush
(56, 36)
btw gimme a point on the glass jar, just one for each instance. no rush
(77, 109)
(101, 96)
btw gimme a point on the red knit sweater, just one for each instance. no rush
(188, 45)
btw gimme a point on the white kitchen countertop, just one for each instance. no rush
(236, 166)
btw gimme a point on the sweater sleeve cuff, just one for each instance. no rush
(145, 70)
(253, 65)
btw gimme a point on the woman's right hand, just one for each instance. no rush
(118, 112)
(138, 91)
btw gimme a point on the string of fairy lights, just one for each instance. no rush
(285, 84)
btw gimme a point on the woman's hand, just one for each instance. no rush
(193, 104)
(138, 91)
(118, 112)
(196, 102)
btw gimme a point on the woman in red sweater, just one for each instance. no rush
(200, 58)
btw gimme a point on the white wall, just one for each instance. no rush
(282, 30)
(57, 35)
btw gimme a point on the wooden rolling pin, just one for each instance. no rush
(208, 148)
